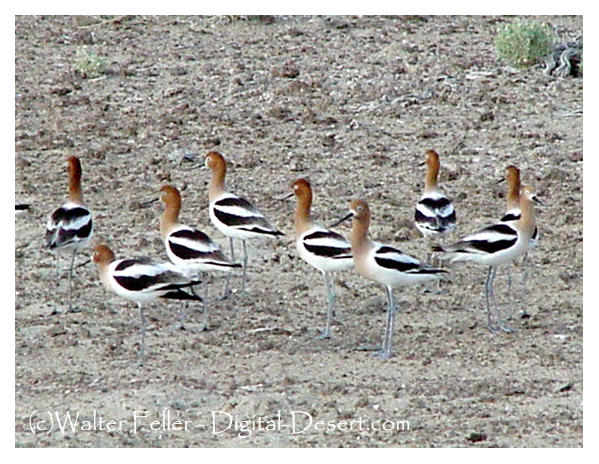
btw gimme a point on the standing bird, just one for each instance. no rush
(142, 281)
(513, 213)
(494, 245)
(70, 227)
(324, 249)
(434, 214)
(190, 249)
(233, 216)
(384, 264)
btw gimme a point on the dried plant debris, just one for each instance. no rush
(565, 60)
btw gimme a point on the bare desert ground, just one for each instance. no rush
(352, 103)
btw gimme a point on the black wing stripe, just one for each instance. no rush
(328, 251)
(192, 234)
(401, 266)
(435, 203)
(492, 247)
(237, 202)
(234, 220)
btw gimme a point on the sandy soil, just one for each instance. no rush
(352, 103)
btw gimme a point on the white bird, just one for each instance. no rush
(189, 248)
(513, 213)
(322, 248)
(494, 245)
(384, 264)
(233, 216)
(70, 227)
(143, 281)
(434, 214)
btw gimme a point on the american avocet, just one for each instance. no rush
(494, 245)
(384, 264)
(70, 227)
(190, 249)
(142, 280)
(513, 213)
(434, 214)
(233, 216)
(324, 249)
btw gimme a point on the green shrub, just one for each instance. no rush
(88, 64)
(522, 43)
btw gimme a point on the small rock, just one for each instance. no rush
(475, 437)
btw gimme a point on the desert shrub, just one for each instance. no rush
(523, 43)
(88, 64)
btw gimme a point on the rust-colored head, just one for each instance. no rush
(215, 161)
(74, 167)
(102, 255)
(432, 158)
(74, 171)
(359, 209)
(302, 189)
(169, 195)
(217, 164)
(303, 192)
(512, 175)
(432, 169)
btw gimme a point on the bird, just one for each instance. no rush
(189, 248)
(142, 280)
(513, 213)
(234, 216)
(497, 244)
(322, 248)
(434, 214)
(384, 264)
(70, 227)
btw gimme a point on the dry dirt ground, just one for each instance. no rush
(352, 103)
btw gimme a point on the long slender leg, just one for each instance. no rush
(57, 283)
(509, 291)
(204, 325)
(331, 299)
(492, 292)
(501, 321)
(143, 335)
(57, 266)
(386, 351)
(245, 266)
(488, 293)
(226, 291)
(524, 313)
(71, 310)
(181, 316)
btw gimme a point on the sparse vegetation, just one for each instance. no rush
(88, 64)
(523, 43)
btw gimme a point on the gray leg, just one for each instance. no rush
(143, 335)
(204, 325)
(331, 299)
(524, 313)
(387, 341)
(245, 266)
(71, 310)
(226, 291)
(490, 297)
(509, 291)
(57, 283)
